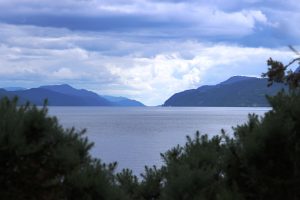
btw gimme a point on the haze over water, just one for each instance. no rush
(135, 137)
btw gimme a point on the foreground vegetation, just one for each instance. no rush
(41, 160)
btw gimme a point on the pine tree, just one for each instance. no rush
(263, 158)
(39, 159)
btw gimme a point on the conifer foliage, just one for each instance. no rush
(41, 160)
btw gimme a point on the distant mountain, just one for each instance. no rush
(237, 91)
(122, 101)
(89, 98)
(38, 95)
(61, 95)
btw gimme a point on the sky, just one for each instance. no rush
(142, 49)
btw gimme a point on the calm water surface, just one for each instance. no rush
(135, 137)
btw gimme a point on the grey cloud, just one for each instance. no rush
(138, 47)
(89, 23)
(206, 20)
(137, 68)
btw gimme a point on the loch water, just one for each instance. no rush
(135, 136)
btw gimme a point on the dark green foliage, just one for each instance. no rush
(278, 73)
(129, 184)
(265, 154)
(194, 171)
(151, 184)
(263, 157)
(148, 188)
(41, 160)
(92, 181)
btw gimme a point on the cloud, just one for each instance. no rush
(145, 50)
(64, 73)
(145, 70)
(206, 20)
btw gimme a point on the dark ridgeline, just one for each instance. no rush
(64, 95)
(237, 91)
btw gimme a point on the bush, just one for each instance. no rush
(41, 160)
(264, 156)
(195, 170)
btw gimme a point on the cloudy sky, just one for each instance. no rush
(142, 49)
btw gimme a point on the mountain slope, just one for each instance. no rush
(89, 98)
(38, 95)
(236, 91)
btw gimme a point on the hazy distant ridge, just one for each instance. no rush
(122, 101)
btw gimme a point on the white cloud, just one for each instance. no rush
(188, 18)
(149, 71)
(165, 47)
(64, 73)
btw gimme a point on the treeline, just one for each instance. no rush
(40, 160)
